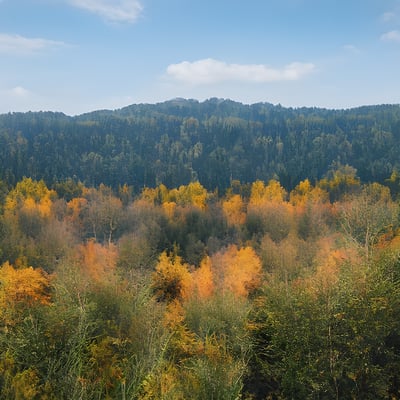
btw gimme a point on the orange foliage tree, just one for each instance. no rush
(329, 260)
(203, 285)
(75, 209)
(97, 261)
(237, 270)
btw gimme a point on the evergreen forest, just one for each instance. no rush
(200, 250)
(214, 142)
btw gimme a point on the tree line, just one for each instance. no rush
(181, 292)
(214, 142)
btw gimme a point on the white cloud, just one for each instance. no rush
(16, 44)
(17, 99)
(392, 36)
(19, 92)
(111, 10)
(213, 71)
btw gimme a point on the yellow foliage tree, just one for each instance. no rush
(26, 285)
(262, 194)
(20, 289)
(312, 208)
(341, 181)
(305, 192)
(162, 194)
(30, 194)
(234, 210)
(193, 194)
(257, 193)
(169, 208)
(275, 192)
(171, 279)
(183, 342)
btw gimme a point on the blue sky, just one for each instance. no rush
(76, 56)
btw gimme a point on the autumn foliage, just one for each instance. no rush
(20, 290)
(179, 293)
(237, 270)
(171, 279)
(25, 286)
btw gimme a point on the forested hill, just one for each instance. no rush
(213, 141)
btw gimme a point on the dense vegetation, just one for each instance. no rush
(215, 142)
(184, 293)
(192, 250)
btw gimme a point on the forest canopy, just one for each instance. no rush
(192, 250)
(184, 293)
(214, 142)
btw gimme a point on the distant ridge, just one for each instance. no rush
(215, 141)
(190, 104)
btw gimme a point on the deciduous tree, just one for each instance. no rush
(171, 279)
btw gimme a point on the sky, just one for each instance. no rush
(76, 56)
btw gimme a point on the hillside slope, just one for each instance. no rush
(213, 141)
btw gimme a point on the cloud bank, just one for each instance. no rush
(112, 10)
(16, 44)
(213, 71)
